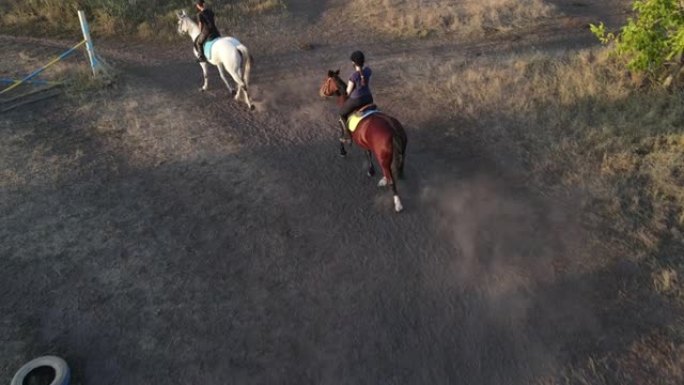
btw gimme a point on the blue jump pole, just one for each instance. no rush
(41, 69)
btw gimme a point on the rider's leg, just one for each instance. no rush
(199, 46)
(345, 135)
(347, 108)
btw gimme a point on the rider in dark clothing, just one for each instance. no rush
(358, 90)
(208, 30)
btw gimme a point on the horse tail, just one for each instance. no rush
(247, 60)
(398, 148)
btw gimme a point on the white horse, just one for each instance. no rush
(227, 53)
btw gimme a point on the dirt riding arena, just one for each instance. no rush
(153, 234)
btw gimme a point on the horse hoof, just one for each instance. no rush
(251, 108)
(370, 172)
(398, 207)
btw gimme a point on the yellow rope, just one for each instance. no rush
(55, 60)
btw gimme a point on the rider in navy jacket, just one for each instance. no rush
(358, 90)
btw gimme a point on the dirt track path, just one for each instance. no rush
(212, 245)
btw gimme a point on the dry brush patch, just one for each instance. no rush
(73, 71)
(426, 17)
(575, 119)
(579, 127)
(135, 18)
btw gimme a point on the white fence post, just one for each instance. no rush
(94, 64)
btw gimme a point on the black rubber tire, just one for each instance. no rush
(62, 372)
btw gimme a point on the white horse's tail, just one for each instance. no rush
(247, 60)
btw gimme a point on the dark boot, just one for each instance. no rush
(345, 136)
(199, 47)
(200, 56)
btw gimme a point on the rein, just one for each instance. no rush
(341, 90)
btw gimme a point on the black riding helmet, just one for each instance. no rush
(358, 58)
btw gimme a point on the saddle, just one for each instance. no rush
(207, 47)
(357, 116)
(209, 43)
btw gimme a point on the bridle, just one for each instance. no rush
(329, 88)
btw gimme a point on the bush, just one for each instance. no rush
(653, 41)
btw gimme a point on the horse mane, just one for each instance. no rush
(191, 21)
(341, 87)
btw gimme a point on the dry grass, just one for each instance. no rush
(577, 122)
(653, 359)
(77, 84)
(73, 70)
(426, 17)
(577, 125)
(255, 6)
(143, 19)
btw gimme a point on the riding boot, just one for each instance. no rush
(199, 47)
(345, 136)
(200, 56)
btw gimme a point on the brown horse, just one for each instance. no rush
(379, 134)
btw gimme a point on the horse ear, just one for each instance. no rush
(184, 14)
(337, 72)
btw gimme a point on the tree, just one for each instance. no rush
(653, 41)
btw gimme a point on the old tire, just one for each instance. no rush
(62, 372)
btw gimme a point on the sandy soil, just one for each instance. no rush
(151, 234)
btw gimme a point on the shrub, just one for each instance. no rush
(653, 41)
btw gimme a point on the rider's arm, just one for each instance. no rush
(350, 87)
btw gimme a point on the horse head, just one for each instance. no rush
(183, 25)
(332, 85)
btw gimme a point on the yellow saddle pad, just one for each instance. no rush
(356, 118)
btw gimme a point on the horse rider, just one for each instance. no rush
(208, 30)
(358, 91)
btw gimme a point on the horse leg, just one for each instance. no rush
(385, 160)
(241, 87)
(247, 98)
(371, 170)
(222, 73)
(205, 75)
(398, 207)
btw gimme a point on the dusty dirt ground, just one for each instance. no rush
(151, 234)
